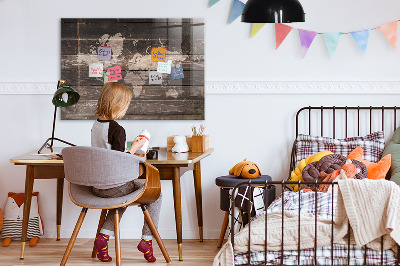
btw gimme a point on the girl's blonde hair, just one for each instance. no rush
(112, 100)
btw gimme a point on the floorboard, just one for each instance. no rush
(50, 252)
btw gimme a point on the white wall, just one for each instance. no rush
(258, 126)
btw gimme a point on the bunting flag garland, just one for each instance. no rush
(281, 31)
(237, 9)
(306, 39)
(332, 41)
(361, 37)
(213, 2)
(389, 30)
(256, 28)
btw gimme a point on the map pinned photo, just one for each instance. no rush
(115, 73)
(164, 67)
(155, 78)
(104, 53)
(158, 54)
(96, 70)
(177, 73)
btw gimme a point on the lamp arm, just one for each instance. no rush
(46, 144)
(54, 126)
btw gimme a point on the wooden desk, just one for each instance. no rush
(40, 167)
(168, 163)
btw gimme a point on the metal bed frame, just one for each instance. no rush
(283, 184)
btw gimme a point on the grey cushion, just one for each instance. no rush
(393, 148)
(83, 196)
(99, 167)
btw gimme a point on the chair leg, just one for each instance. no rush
(223, 229)
(117, 238)
(154, 230)
(73, 237)
(101, 222)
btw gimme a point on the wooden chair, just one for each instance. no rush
(85, 167)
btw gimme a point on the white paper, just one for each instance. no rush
(155, 78)
(164, 67)
(96, 70)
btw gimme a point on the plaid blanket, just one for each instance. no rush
(323, 205)
(324, 257)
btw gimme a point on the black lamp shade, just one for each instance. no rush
(273, 11)
(73, 96)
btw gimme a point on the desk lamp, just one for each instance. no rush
(64, 96)
(273, 11)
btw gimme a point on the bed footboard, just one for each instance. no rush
(309, 256)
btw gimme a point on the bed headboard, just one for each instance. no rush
(345, 117)
(344, 121)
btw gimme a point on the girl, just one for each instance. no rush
(106, 133)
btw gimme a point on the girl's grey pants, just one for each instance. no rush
(154, 208)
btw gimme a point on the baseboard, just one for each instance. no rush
(247, 87)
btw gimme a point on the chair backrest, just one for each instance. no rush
(92, 166)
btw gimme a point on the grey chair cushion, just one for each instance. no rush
(83, 196)
(99, 167)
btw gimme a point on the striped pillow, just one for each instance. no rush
(372, 145)
(13, 228)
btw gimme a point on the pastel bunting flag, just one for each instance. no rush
(256, 28)
(389, 30)
(281, 31)
(332, 41)
(237, 9)
(306, 39)
(213, 2)
(361, 37)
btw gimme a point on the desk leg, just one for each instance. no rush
(27, 206)
(60, 190)
(199, 204)
(176, 182)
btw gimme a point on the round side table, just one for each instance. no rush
(226, 183)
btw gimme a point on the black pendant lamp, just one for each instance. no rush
(273, 11)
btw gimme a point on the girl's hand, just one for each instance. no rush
(137, 144)
(143, 155)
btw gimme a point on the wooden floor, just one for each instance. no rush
(50, 252)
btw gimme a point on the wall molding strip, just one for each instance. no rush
(304, 87)
(250, 87)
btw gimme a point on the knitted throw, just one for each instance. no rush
(373, 209)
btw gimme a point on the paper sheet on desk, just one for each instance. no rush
(53, 155)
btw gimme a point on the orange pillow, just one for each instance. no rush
(375, 170)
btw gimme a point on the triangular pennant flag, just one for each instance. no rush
(306, 39)
(281, 31)
(256, 28)
(213, 2)
(390, 32)
(361, 37)
(237, 9)
(332, 41)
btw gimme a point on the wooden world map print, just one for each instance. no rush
(131, 42)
